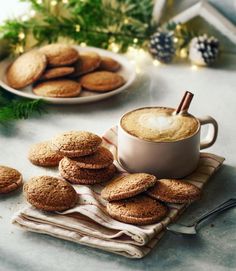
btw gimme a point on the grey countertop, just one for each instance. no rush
(214, 248)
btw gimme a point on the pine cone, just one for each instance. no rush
(161, 46)
(203, 50)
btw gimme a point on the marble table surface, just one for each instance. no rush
(212, 249)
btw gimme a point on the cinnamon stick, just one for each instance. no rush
(185, 102)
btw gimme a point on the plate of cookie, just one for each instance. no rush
(65, 74)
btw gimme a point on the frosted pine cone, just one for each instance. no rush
(161, 46)
(203, 50)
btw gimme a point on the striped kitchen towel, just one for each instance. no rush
(89, 224)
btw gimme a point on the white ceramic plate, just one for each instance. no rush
(127, 71)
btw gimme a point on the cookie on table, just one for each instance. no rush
(76, 143)
(139, 210)
(41, 154)
(128, 186)
(74, 174)
(102, 81)
(48, 193)
(60, 88)
(100, 159)
(56, 72)
(109, 64)
(10, 179)
(26, 69)
(174, 191)
(88, 61)
(60, 54)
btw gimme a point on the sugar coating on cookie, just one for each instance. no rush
(41, 154)
(87, 62)
(26, 69)
(60, 54)
(10, 179)
(100, 159)
(102, 81)
(56, 72)
(60, 88)
(109, 64)
(127, 186)
(139, 210)
(50, 194)
(76, 143)
(74, 174)
(174, 191)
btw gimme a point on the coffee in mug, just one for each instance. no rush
(159, 141)
(159, 124)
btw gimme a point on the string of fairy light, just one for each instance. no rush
(134, 52)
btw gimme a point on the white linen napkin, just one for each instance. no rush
(89, 224)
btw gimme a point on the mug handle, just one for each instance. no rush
(211, 136)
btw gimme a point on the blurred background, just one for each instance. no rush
(13, 8)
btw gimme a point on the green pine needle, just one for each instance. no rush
(99, 22)
(20, 109)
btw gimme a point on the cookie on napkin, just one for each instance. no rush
(100, 159)
(26, 69)
(139, 210)
(71, 171)
(76, 143)
(41, 154)
(174, 191)
(50, 194)
(128, 186)
(10, 179)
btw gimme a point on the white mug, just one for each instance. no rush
(175, 159)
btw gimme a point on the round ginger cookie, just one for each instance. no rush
(76, 143)
(139, 210)
(128, 186)
(100, 159)
(26, 69)
(109, 64)
(74, 174)
(102, 81)
(50, 194)
(56, 72)
(10, 179)
(174, 191)
(88, 61)
(60, 88)
(41, 154)
(60, 54)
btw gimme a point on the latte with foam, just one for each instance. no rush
(159, 124)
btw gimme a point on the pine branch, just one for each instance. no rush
(20, 109)
(99, 20)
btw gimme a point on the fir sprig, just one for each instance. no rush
(15, 108)
(94, 22)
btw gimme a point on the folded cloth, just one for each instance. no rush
(89, 224)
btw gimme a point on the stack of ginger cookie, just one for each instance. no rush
(61, 71)
(79, 154)
(85, 160)
(81, 160)
(142, 199)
